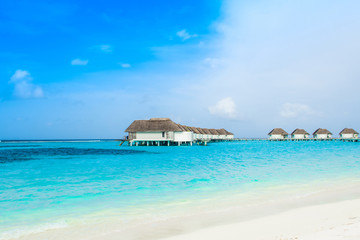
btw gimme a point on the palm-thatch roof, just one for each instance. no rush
(278, 131)
(322, 131)
(206, 131)
(214, 132)
(222, 131)
(167, 125)
(348, 131)
(154, 125)
(300, 131)
(181, 127)
(195, 130)
(188, 129)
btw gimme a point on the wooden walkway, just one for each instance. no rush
(206, 142)
(299, 140)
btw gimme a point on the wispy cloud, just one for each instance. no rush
(214, 62)
(225, 108)
(23, 86)
(80, 62)
(125, 65)
(184, 35)
(106, 48)
(295, 110)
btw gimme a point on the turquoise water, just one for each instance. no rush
(46, 182)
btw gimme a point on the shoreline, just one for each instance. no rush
(230, 221)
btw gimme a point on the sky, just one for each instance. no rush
(80, 69)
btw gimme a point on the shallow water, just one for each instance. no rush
(50, 185)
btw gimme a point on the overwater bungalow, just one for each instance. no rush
(196, 132)
(229, 135)
(322, 133)
(202, 134)
(163, 131)
(222, 134)
(207, 133)
(278, 133)
(348, 133)
(214, 134)
(300, 134)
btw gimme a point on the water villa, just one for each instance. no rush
(348, 133)
(165, 132)
(322, 133)
(299, 134)
(278, 133)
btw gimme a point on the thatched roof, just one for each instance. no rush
(214, 132)
(322, 131)
(195, 130)
(154, 124)
(188, 129)
(201, 131)
(184, 128)
(278, 131)
(206, 131)
(300, 131)
(181, 127)
(167, 125)
(348, 131)
(222, 131)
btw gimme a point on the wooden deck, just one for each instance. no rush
(206, 142)
(299, 140)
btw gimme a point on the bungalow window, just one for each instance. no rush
(163, 134)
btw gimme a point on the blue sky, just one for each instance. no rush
(76, 69)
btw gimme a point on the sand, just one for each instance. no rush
(332, 214)
(332, 221)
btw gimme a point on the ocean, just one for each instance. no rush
(58, 185)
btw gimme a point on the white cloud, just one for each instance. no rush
(106, 48)
(225, 108)
(184, 35)
(19, 75)
(23, 86)
(214, 62)
(125, 65)
(80, 62)
(294, 110)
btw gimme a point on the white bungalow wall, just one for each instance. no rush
(222, 137)
(322, 136)
(300, 136)
(276, 136)
(183, 136)
(154, 136)
(349, 135)
(229, 136)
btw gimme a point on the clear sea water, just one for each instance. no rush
(61, 183)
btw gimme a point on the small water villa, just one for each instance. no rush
(322, 133)
(348, 133)
(165, 132)
(300, 134)
(277, 134)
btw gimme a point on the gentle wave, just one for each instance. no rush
(24, 230)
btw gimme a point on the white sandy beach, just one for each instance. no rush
(330, 214)
(333, 221)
